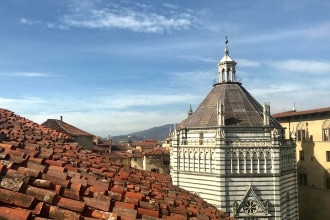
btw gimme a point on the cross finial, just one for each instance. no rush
(226, 41)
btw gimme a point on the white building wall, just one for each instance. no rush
(224, 166)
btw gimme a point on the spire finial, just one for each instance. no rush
(226, 49)
(190, 112)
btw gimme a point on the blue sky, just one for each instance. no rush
(115, 67)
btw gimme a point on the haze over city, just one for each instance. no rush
(115, 67)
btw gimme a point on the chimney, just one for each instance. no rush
(61, 118)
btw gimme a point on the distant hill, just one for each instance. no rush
(157, 133)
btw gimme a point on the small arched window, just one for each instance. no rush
(301, 134)
(326, 130)
(222, 75)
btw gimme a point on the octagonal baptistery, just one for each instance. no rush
(232, 153)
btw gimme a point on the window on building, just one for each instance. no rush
(328, 155)
(301, 134)
(301, 155)
(326, 130)
(201, 137)
(155, 170)
(184, 133)
(327, 181)
(302, 176)
(325, 134)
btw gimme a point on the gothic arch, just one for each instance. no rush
(229, 74)
(191, 156)
(326, 124)
(195, 155)
(300, 131)
(326, 130)
(300, 126)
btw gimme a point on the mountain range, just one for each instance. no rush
(156, 133)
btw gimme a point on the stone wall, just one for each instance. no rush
(313, 203)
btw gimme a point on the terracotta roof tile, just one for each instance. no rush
(98, 202)
(305, 112)
(60, 213)
(125, 214)
(10, 197)
(44, 176)
(41, 183)
(157, 151)
(42, 195)
(64, 127)
(71, 204)
(14, 213)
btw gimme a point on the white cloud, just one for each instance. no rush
(199, 59)
(247, 63)
(106, 123)
(49, 25)
(141, 19)
(320, 30)
(24, 104)
(273, 89)
(104, 115)
(303, 99)
(135, 100)
(170, 6)
(28, 22)
(201, 81)
(301, 66)
(311, 31)
(30, 74)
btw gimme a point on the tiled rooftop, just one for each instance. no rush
(305, 112)
(64, 127)
(157, 151)
(44, 176)
(241, 109)
(147, 144)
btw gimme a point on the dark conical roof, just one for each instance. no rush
(241, 109)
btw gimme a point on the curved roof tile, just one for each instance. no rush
(64, 127)
(44, 176)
